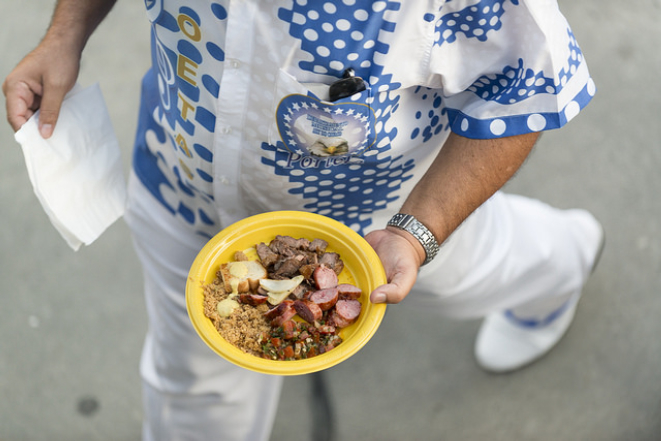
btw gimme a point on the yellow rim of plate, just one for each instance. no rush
(362, 267)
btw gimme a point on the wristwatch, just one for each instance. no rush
(409, 223)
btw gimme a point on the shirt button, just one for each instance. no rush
(225, 130)
(235, 64)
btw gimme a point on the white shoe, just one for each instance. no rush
(506, 343)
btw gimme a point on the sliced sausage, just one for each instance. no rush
(336, 320)
(348, 291)
(324, 277)
(286, 316)
(346, 312)
(308, 310)
(279, 310)
(252, 299)
(325, 298)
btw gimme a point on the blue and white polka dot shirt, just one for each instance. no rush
(236, 117)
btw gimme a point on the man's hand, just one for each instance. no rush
(45, 75)
(40, 81)
(401, 259)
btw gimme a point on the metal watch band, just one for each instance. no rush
(409, 223)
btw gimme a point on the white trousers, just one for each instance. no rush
(189, 392)
(512, 253)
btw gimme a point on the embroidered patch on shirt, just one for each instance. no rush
(309, 126)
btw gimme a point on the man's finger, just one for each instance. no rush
(17, 115)
(51, 101)
(389, 293)
(19, 103)
(396, 290)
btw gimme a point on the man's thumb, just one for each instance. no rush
(49, 110)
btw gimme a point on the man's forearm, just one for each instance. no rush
(465, 174)
(74, 21)
(42, 79)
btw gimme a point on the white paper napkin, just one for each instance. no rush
(77, 173)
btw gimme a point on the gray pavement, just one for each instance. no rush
(71, 324)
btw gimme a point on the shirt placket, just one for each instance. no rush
(231, 110)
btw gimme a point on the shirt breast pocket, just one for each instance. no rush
(307, 123)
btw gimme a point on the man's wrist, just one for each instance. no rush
(419, 231)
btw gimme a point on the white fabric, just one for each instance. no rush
(190, 393)
(513, 252)
(77, 173)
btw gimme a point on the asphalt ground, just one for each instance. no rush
(71, 324)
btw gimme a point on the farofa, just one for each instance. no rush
(244, 327)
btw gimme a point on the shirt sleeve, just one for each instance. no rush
(507, 67)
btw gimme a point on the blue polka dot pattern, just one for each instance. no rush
(188, 12)
(205, 118)
(474, 21)
(350, 192)
(517, 124)
(204, 217)
(187, 49)
(512, 85)
(204, 175)
(168, 22)
(364, 184)
(347, 38)
(186, 213)
(219, 11)
(518, 83)
(211, 85)
(203, 152)
(433, 120)
(215, 51)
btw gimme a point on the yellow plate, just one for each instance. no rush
(362, 267)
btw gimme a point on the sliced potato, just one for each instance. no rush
(241, 276)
